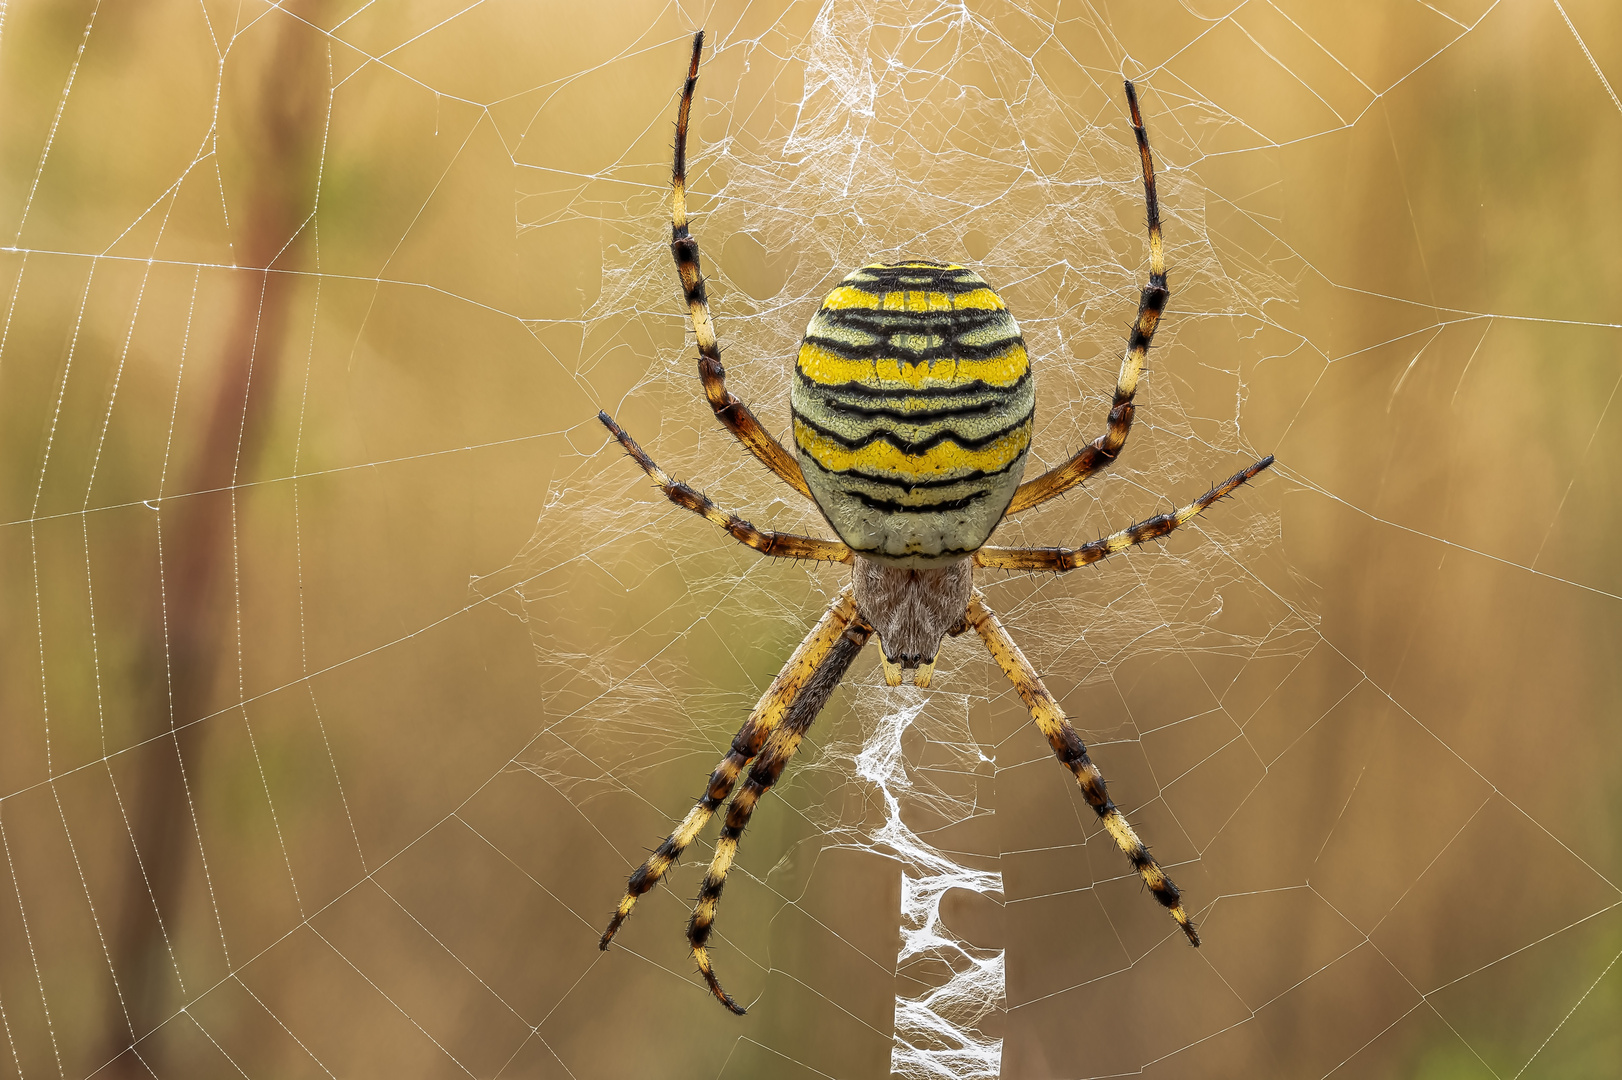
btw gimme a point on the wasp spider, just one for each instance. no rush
(912, 404)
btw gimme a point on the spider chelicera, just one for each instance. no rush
(912, 404)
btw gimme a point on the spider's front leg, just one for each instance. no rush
(1072, 753)
(779, 700)
(774, 756)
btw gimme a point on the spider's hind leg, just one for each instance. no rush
(1102, 451)
(728, 409)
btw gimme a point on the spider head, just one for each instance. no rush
(894, 670)
(912, 610)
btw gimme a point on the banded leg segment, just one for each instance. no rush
(1101, 452)
(1057, 559)
(1072, 753)
(780, 700)
(684, 246)
(781, 545)
(780, 746)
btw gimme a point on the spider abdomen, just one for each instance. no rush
(912, 404)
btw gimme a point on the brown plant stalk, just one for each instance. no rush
(187, 636)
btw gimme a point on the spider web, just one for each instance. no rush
(349, 669)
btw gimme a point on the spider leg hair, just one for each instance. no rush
(780, 698)
(1059, 559)
(1072, 753)
(1100, 453)
(780, 746)
(684, 246)
(781, 545)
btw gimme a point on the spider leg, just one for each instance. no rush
(782, 545)
(1100, 453)
(780, 698)
(684, 246)
(1057, 559)
(1072, 752)
(768, 766)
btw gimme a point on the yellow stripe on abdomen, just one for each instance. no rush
(820, 363)
(881, 458)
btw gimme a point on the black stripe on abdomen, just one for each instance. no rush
(915, 446)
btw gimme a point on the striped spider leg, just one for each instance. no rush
(1050, 719)
(785, 697)
(780, 745)
(773, 730)
(782, 545)
(1100, 453)
(1059, 559)
(1072, 753)
(684, 246)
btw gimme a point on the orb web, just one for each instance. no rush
(353, 667)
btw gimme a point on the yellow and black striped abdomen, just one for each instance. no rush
(912, 406)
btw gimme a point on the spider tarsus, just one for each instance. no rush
(702, 956)
(724, 997)
(1179, 913)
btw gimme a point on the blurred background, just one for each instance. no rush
(347, 672)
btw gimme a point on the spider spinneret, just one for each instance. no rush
(912, 406)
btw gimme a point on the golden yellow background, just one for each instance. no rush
(439, 667)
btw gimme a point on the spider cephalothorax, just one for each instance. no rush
(911, 610)
(912, 403)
